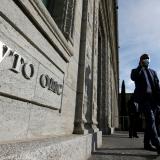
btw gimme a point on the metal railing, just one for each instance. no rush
(124, 123)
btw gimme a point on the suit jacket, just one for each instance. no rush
(137, 75)
(133, 107)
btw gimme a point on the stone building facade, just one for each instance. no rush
(59, 77)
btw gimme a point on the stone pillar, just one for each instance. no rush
(103, 95)
(83, 114)
(106, 93)
(94, 65)
(109, 90)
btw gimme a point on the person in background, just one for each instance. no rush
(133, 113)
(146, 93)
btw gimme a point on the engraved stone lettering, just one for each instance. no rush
(21, 65)
(60, 89)
(51, 84)
(44, 80)
(17, 63)
(4, 51)
(28, 70)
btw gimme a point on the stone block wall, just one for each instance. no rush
(38, 74)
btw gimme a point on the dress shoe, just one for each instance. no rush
(150, 148)
(158, 150)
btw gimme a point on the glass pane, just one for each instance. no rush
(45, 2)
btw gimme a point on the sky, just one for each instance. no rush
(139, 32)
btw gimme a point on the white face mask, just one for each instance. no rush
(146, 62)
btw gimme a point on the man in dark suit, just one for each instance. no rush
(146, 93)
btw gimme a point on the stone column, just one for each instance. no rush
(102, 74)
(94, 65)
(83, 114)
(109, 90)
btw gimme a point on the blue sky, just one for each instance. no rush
(139, 32)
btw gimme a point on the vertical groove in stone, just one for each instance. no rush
(67, 27)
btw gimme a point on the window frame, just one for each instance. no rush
(47, 26)
(67, 17)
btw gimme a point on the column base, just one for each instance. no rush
(79, 128)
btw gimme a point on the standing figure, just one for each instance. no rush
(146, 94)
(133, 113)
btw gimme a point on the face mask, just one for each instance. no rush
(146, 62)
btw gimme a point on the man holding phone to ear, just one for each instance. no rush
(145, 94)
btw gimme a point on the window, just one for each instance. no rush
(62, 11)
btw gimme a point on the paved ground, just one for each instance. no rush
(119, 147)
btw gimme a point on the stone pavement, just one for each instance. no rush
(119, 147)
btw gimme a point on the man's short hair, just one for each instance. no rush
(144, 56)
